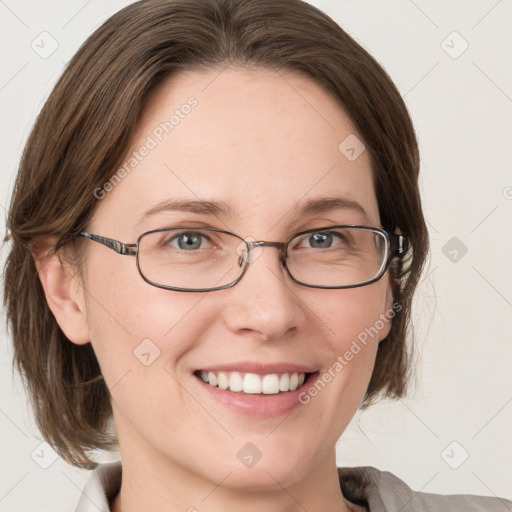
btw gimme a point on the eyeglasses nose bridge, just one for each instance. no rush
(281, 246)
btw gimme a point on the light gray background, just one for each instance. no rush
(461, 103)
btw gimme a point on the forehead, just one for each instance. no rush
(261, 141)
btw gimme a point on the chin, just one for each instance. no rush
(270, 469)
(263, 478)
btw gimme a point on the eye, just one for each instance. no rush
(186, 241)
(322, 239)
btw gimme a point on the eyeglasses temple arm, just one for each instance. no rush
(119, 247)
(399, 245)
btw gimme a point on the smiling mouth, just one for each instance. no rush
(253, 383)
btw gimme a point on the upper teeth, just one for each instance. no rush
(269, 384)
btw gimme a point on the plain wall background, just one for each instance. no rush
(453, 433)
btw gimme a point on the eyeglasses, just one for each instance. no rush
(207, 259)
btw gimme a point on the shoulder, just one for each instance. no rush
(101, 487)
(382, 491)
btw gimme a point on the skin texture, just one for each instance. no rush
(262, 142)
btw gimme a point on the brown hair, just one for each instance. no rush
(84, 130)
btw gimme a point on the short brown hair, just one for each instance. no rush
(84, 130)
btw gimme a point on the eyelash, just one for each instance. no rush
(176, 236)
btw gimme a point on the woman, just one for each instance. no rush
(216, 236)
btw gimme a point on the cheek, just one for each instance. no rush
(134, 325)
(354, 315)
(353, 321)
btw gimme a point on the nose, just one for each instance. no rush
(265, 300)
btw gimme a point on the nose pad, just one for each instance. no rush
(248, 256)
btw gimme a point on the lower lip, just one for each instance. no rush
(259, 404)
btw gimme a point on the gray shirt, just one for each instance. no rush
(379, 491)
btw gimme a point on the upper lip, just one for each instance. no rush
(259, 368)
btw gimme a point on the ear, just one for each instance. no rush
(389, 297)
(389, 311)
(390, 307)
(63, 290)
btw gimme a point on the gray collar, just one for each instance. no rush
(379, 491)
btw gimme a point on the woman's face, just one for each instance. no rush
(262, 144)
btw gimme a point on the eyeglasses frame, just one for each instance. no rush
(396, 247)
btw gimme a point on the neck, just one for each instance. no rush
(154, 483)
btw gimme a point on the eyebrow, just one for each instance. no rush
(211, 208)
(221, 208)
(326, 204)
